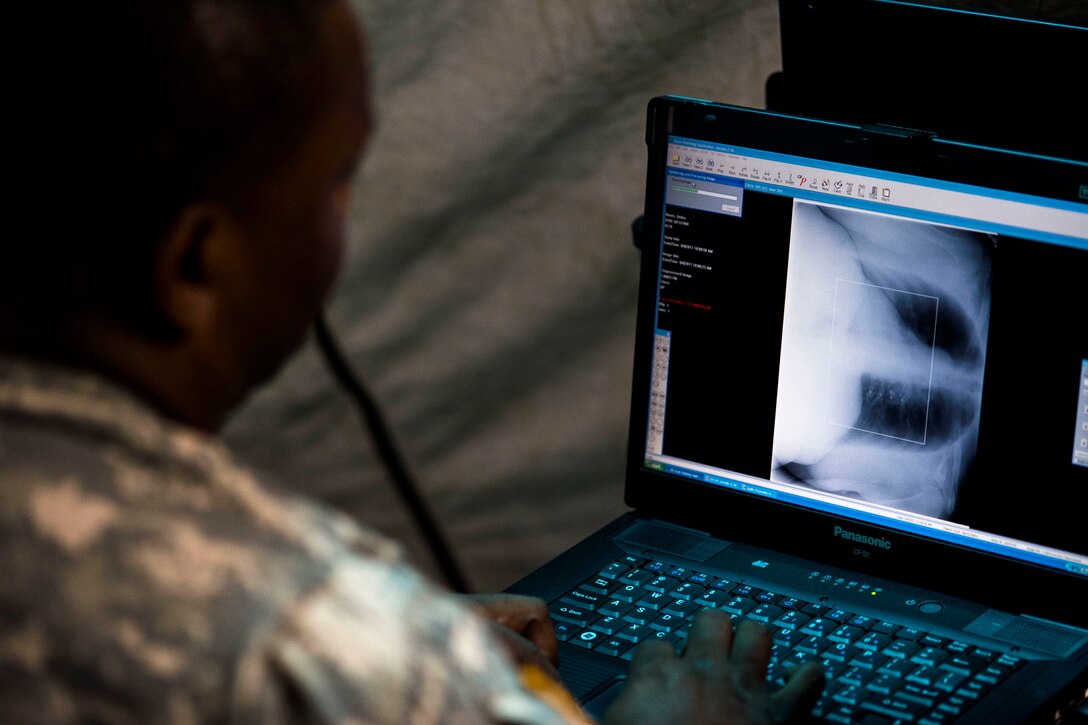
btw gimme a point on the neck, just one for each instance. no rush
(168, 375)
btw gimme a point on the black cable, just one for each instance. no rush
(390, 455)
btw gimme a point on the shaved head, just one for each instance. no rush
(120, 114)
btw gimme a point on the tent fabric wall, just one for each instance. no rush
(488, 292)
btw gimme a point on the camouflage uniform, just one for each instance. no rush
(149, 579)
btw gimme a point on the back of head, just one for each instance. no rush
(121, 113)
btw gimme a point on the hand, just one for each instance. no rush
(522, 624)
(720, 678)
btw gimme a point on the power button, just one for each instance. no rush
(930, 607)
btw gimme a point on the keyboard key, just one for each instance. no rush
(846, 634)
(698, 578)
(925, 675)
(937, 717)
(874, 642)
(815, 610)
(583, 598)
(892, 707)
(791, 619)
(586, 639)
(713, 598)
(679, 572)
(738, 605)
(850, 695)
(841, 714)
(861, 621)
(766, 597)
(634, 632)
(792, 603)
(883, 684)
(885, 628)
(897, 668)
(614, 608)
(599, 585)
(992, 674)
(765, 613)
(683, 631)
(901, 649)
(963, 665)
(930, 656)
(910, 633)
(787, 637)
(973, 689)
(614, 646)
(563, 631)
(922, 695)
(632, 561)
(571, 614)
(811, 645)
(932, 640)
(661, 584)
(746, 590)
(614, 570)
(637, 577)
(839, 615)
(671, 637)
(856, 676)
(608, 625)
(954, 705)
(798, 658)
(949, 681)
(867, 659)
(654, 600)
(687, 590)
(819, 626)
(681, 608)
(657, 567)
(832, 669)
(667, 623)
(629, 593)
(839, 651)
(640, 615)
(1010, 661)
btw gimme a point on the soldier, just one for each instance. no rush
(207, 148)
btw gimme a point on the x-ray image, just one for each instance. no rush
(883, 348)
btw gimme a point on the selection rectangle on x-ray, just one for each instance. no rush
(881, 359)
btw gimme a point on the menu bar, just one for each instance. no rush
(960, 206)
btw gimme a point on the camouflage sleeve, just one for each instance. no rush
(377, 644)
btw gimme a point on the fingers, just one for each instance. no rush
(652, 658)
(803, 687)
(526, 616)
(710, 637)
(751, 654)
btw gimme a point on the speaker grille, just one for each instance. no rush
(673, 541)
(1056, 641)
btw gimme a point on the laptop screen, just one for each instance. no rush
(892, 349)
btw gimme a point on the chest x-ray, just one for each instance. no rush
(883, 349)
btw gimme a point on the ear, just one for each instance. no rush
(188, 281)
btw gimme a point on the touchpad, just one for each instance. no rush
(600, 700)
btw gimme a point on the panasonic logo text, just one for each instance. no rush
(861, 539)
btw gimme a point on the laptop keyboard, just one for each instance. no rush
(877, 671)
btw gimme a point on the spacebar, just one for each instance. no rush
(892, 707)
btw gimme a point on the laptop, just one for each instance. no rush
(859, 416)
